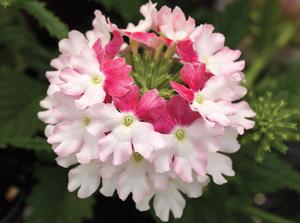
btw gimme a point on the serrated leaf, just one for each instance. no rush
(19, 104)
(46, 18)
(52, 203)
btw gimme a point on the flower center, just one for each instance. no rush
(200, 98)
(205, 60)
(137, 157)
(97, 79)
(180, 134)
(128, 120)
(86, 121)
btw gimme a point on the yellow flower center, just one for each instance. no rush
(137, 157)
(86, 121)
(200, 98)
(128, 120)
(97, 79)
(180, 134)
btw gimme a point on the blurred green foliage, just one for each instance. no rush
(259, 28)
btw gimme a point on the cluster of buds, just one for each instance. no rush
(152, 117)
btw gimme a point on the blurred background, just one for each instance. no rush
(267, 185)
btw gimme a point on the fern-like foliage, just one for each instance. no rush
(274, 125)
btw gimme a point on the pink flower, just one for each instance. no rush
(173, 24)
(127, 132)
(92, 77)
(187, 142)
(209, 96)
(208, 48)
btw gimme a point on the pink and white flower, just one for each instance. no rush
(171, 199)
(127, 132)
(207, 95)
(187, 143)
(208, 48)
(173, 24)
(107, 121)
(92, 77)
(68, 134)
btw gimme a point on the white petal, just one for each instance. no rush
(88, 150)
(86, 177)
(93, 95)
(104, 117)
(168, 200)
(144, 205)
(108, 187)
(192, 190)
(133, 180)
(145, 139)
(228, 141)
(219, 165)
(109, 145)
(66, 161)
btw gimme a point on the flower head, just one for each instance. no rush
(152, 117)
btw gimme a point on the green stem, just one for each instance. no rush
(255, 69)
(265, 216)
(133, 47)
(158, 52)
(170, 51)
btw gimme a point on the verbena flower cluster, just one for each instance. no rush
(152, 116)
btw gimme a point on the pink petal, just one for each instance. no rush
(194, 75)
(149, 39)
(151, 106)
(129, 101)
(180, 111)
(117, 79)
(186, 51)
(183, 91)
(113, 47)
(99, 51)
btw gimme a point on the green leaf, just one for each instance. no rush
(272, 175)
(52, 203)
(130, 9)
(234, 22)
(46, 18)
(19, 104)
(37, 144)
(5, 3)
(21, 52)
(274, 125)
